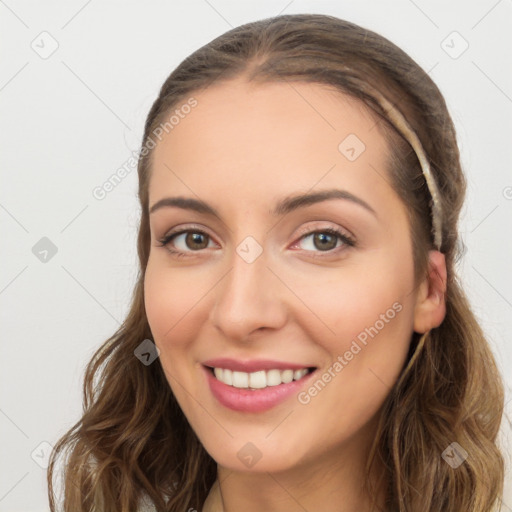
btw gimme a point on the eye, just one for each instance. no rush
(325, 240)
(185, 241)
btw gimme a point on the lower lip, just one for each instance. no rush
(258, 400)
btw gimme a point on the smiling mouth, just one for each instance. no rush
(260, 379)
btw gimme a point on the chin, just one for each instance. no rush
(257, 457)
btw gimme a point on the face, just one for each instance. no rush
(266, 283)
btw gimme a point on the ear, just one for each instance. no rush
(430, 308)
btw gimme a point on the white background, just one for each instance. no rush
(71, 120)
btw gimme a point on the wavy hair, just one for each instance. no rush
(134, 442)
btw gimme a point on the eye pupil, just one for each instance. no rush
(195, 238)
(322, 238)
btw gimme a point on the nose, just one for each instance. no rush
(249, 298)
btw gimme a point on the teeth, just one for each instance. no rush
(240, 380)
(298, 374)
(258, 380)
(227, 377)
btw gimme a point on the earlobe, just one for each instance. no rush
(430, 308)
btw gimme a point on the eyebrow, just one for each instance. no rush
(283, 207)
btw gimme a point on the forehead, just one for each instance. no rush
(268, 140)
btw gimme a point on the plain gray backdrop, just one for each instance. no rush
(76, 82)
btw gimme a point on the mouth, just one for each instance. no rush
(260, 379)
(259, 390)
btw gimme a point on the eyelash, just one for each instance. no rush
(347, 240)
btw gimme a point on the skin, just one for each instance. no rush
(242, 149)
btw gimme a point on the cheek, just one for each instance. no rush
(173, 303)
(366, 313)
(364, 317)
(349, 300)
(370, 328)
(172, 307)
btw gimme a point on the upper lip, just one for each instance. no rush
(253, 365)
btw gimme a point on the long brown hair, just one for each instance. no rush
(133, 439)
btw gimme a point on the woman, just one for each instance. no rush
(298, 338)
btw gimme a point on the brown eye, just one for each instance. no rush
(324, 241)
(196, 240)
(185, 242)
